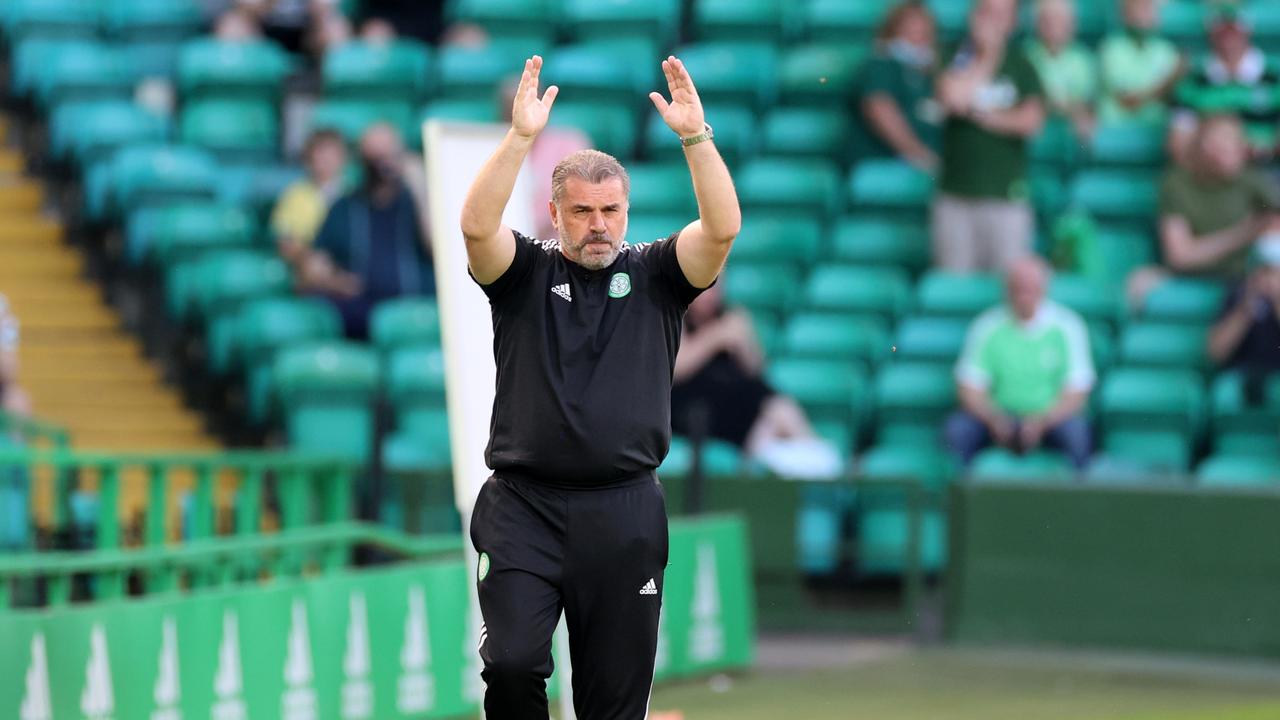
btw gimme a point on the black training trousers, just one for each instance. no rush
(596, 554)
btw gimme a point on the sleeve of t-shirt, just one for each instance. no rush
(1080, 373)
(877, 77)
(667, 267)
(974, 368)
(1266, 193)
(517, 273)
(1171, 200)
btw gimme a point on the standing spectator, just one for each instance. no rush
(1236, 78)
(1247, 334)
(371, 246)
(13, 399)
(1067, 69)
(1139, 68)
(895, 113)
(1213, 211)
(303, 205)
(992, 97)
(1025, 374)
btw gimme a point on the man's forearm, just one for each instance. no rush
(491, 190)
(978, 403)
(1068, 404)
(718, 210)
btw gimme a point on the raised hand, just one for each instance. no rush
(529, 113)
(684, 113)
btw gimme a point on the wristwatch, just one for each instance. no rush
(706, 134)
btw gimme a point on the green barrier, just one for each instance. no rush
(386, 642)
(32, 432)
(1154, 567)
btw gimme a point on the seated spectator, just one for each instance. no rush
(1247, 334)
(1235, 78)
(1024, 375)
(718, 374)
(371, 246)
(236, 25)
(1138, 68)
(991, 94)
(1213, 211)
(895, 113)
(1067, 69)
(378, 31)
(13, 399)
(303, 205)
(551, 145)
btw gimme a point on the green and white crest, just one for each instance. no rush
(482, 567)
(619, 285)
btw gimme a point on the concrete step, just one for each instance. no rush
(21, 229)
(49, 266)
(20, 196)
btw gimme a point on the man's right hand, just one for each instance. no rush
(1002, 430)
(529, 113)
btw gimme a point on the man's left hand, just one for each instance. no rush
(684, 113)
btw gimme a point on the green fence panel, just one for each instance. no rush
(1166, 569)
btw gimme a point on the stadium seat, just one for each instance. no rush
(352, 117)
(1241, 426)
(777, 238)
(236, 130)
(1155, 451)
(399, 71)
(930, 339)
(1152, 344)
(1264, 19)
(806, 132)
(809, 186)
(611, 127)
(736, 73)
(827, 336)
(1242, 471)
(1056, 145)
(473, 73)
(613, 72)
(719, 459)
(661, 188)
(140, 175)
(404, 321)
(838, 21)
(250, 71)
(872, 240)
(890, 185)
(645, 227)
(1107, 469)
(962, 295)
(527, 22)
(255, 186)
(1156, 399)
(912, 400)
(1049, 195)
(78, 71)
(226, 280)
(951, 16)
(1123, 251)
(170, 233)
(456, 110)
(827, 389)
(327, 393)
(998, 464)
(761, 287)
(50, 19)
(877, 291)
(415, 390)
(29, 58)
(1184, 22)
(651, 21)
(821, 74)
(183, 279)
(768, 21)
(1095, 301)
(1129, 144)
(1118, 195)
(87, 131)
(735, 129)
(267, 326)
(150, 33)
(1186, 300)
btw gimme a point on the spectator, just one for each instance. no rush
(718, 372)
(1067, 70)
(1024, 375)
(1139, 68)
(551, 145)
(1247, 334)
(895, 113)
(236, 26)
(1213, 211)
(371, 246)
(303, 205)
(328, 30)
(377, 31)
(992, 98)
(13, 399)
(1237, 78)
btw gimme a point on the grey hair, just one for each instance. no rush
(590, 165)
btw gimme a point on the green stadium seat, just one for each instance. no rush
(1106, 469)
(879, 291)
(474, 73)
(839, 434)
(738, 73)
(458, 110)
(838, 21)
(611, 126)
(1152, 344)
(1049, 194)
(529, 21)
(1264, 18)
(1238, 424)
(768, 333)
(405, 321)
(820, 74)
(224, 281)
(761, 287)
(255, 186)
(648, 227)
(890, 185)
(352, 117)
(1242, 471)
(882, 508)
(1119, 195)
(50, 19)
(417, 369)
(149, 20)
(827, 336)
(656, 22)
(622, 73)
(735, 128)
(1155, 451)
(777, 238)
(912, 400)
(28, 59)
(999, 465)
(415, 390)
(806, 132)
(1055, 145)
(827, 389)
(951, 16)
(252, 70)
(1247, 443)
(719, 459)
(963, 295)
(1184, 22)
(872, 240)
(170, 233)
(1102, 345)
(662, 188)
(930, 339)
(400, 70)
(87, 131)
(140, 175)
(327, 393)
(1187, 300)
(266, 326)
(82, 70)
(1123, 251)
(809, 186)
(234, 129)
(1095, 301)
(1129, 144)
(1152, 399)
(736, 20)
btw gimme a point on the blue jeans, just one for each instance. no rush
(965, 435)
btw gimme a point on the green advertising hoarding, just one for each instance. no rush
(394, 642)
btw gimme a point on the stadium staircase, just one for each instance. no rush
(81, 368)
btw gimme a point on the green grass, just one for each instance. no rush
(973, 685)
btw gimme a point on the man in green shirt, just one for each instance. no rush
(1067, 69)
(1212, 212)
(991, 95)
(1139, 68)
(1024, 375)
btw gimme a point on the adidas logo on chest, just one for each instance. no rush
(563, 291)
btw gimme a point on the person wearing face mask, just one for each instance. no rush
(1138, 67)
(1067, 69)
(992, 98)
(371, 246)
(894, 112)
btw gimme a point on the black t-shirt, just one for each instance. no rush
(1257, 350)
(585, 359)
